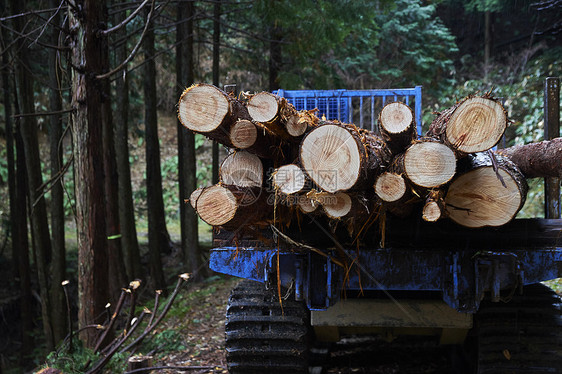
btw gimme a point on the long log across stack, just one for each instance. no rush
(284, 163)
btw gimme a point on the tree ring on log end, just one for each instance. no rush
(331, 157)
(396, 117)
(202, 108)
(263, 107)
(390, 186)
(289, 179)
(242, 169)
(306, 205)
(429, 164)
(243, 134)
(216, 205)
(337, 205)
(476, 125)
(431, 212)
(478, 198)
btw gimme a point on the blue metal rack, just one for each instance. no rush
(360, 107)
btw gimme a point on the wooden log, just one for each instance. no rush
(233, 207)
(397, 126)
(480, 196)
(288, 179)
(339, 157)
(390, 186)
(139, 362)
(434, 207)
(426, 163)
(256, 138)
(194, 196)
(242, 169)
(304, 121)
(306, 204)
(207, 110)
(475, 124)
(542, 159)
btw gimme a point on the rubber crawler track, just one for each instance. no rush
(522, 336)
(263, 337)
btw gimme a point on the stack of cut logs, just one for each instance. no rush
(284, 162)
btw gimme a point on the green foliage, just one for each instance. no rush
(165, 342)
(75, 362)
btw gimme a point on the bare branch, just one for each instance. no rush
(126, 20)
(135, 49)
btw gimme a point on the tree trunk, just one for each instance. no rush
(483, 197)
(275, 57)
(390, 187)
(257, 139)
(242, 169)
(58, 265)
(542, 159)
(38, 212)
(339, 157)
(158, 238)
(216, 60)
(87, 48)
(475, 124)
(434, 207)
(129, 241)
(186, 141)
(117, 274)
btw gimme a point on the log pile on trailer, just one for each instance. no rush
(284, 163)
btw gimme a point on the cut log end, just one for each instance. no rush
(216, 205)
(243, 134)
(242, 169)
(202, 108)
(478, 198)
(429, 164)
(296, 126)
(306, 205)
(476, 125)
(331, 157)
(263, 107)
(431, 211)
(337, 205)
(396, 118)
(390, 187)
(288, 179)
(194, 196)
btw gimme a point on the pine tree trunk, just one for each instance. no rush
(89, 175)
(38, 215)
(129, 240)
(58, 265)
(158, 238)
(542, 159)
(480, 197)
(186, 141)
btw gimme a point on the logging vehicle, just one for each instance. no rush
(472, 282)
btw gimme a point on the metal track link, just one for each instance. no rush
(522, 336)
(261, 335)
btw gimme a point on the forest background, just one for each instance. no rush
(91, 150)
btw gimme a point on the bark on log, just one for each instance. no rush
(475, 124)
(207, 110)
(426, 163)
(542, 159)
(288, 179)
(242, 169)
(483, 197)
(233, 207)
(339, 157)
(397, 127)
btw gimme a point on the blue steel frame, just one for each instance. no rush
(342, 105)
(460, 276)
